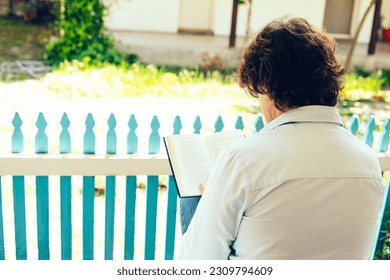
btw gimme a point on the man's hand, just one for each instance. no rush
(201, 188)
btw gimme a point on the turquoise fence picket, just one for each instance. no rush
(197, 125)
(19, 194)
(384, 139)
(354, 124)
(88, 193)
(368, 136)
(42, 193)
(259, 123)
(2, 248)
(65, 139)
(170, 232)
(110, 193)
(152, 194)
(218, 125)
(41, 140)
(66, 193)
(177, 125)
(131, 191)
(239, 123)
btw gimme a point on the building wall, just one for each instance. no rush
(144, 15)
(163, 16)
(263, 11)
(385, 12)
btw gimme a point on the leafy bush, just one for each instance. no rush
(385, 253)
(359, 88)
(380, 73)
(385, 74)
(82, 28)
(361, 72)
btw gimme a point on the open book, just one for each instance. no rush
(192, 156)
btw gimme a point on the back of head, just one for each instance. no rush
(293, 63)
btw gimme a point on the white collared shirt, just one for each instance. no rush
(301, 188)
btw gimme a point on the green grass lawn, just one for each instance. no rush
(22, 41)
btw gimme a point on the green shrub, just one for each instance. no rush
(81, 27)
(384, 254)
(359, 88)
(380, 73)
(385, 74)
(361, 72)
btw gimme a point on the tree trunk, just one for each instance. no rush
(10, 7)
(248, 20)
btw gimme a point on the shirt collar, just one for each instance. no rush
(319, 114)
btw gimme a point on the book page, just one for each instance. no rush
(216, 142)
(190, 162)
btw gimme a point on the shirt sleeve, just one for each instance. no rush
(215, 224)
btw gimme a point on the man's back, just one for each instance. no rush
(321, 195)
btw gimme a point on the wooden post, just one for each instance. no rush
(152, 195)
(88, 193)
(110, 193)
(42, 193)
(2, 248)
(375, 27)
(348, 60)
(19, 196)
(66, 193)
(172, 205)
(131, 192)
(232, 38)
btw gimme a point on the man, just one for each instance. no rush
(303, 187)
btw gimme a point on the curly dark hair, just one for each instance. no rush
(293, 63)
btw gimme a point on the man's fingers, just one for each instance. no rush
(201, 188)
